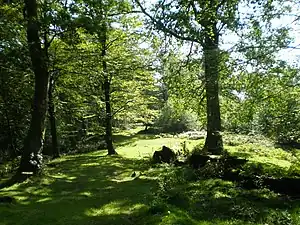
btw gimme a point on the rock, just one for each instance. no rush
(6, 199)
(197, 161)
(166, 155)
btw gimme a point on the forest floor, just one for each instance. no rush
(93, 188)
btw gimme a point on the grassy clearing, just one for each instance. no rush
(93, 188)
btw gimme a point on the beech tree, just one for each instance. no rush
(31, 159)
(203, 23)
(200, 22)
(110, 43)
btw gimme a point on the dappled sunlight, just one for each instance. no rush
(115, 208)
(219, 194)
(95, 188)
(44, 199)
(86, 194)
(90, 164)
(284, 164)
(144, 148)
(38, 191)
(63, 176)
(91, 185)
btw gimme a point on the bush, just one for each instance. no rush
(171, 120)
(282, 123)
(9, 166)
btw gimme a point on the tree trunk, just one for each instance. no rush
(31, 160)
(106, 87)
(108, 120)
(52, 119)
(213, 142)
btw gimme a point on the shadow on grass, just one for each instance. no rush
(95, 188)
(84, 189)
(213, 201)
(124, 140)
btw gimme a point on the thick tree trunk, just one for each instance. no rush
(213, 142)
(31, 160)
(106, 87)
(52, 120)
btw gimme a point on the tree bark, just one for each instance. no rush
(213, 142)
(52, 119)
(108, 119)
(31, 160)
(106, 86)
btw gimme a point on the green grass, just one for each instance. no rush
(94, 188)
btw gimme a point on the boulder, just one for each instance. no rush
(166, 155)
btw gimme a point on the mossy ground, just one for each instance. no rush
(94, 188)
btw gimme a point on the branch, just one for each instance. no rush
(122, 107)
(203, 95)
(220, 4)
(124, 13)
(160, 26)
(110, 43)
(189, 55)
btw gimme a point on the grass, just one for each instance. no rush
(94, 188)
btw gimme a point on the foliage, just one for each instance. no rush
(267, 103)
(154, 82)
(15, 82)
(176, 120)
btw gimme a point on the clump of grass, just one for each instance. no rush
(217, 201)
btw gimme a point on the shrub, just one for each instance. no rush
(171, 120)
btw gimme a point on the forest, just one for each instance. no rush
(173, 112)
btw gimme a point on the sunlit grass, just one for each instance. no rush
(94, 188)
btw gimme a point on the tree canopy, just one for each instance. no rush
(75, 73)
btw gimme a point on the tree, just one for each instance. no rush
(117, 67)
(31, 158)
(204, 23)
(107, 80)
(268, 104)
(184, 80)
(15, 81)
(200, 22)
(52, 118)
